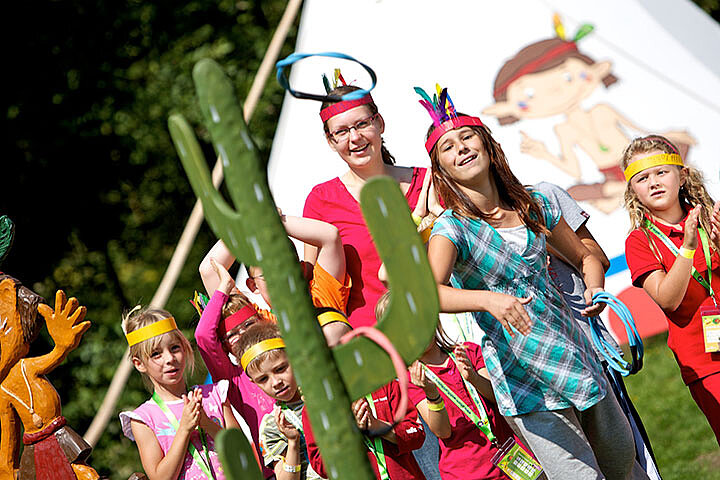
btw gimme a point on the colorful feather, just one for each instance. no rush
(451, 107)
(423, 94)
(584, 29)
(441, 104)
(559, 27)
(199, 301)
(326, 83)
(7, 233)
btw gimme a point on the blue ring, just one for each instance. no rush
(282, 77)
(612, 356)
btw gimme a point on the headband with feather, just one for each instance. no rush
(443, 114)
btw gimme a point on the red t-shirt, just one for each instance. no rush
(399, 459)
(685, 336)
(467, 453)
(331, 202)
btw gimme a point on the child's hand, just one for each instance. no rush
(464, 365)
(285, 427)
(691, 226)
(361, 410)
(192, 406)
(715, 225)
(592, 310)
(226, 282)
(509, 310)
(421, 207)
(418, 377)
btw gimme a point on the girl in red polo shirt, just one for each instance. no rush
(669, 250)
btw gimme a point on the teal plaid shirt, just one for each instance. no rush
(551, 368)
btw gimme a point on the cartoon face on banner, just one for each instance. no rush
(553, 77)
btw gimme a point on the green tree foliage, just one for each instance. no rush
(91, 178)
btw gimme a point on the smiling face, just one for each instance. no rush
(462, 156)
(274, 375)
(361, 146)
(232, 337)
(657, 187)
(165, 365)
(554, 91)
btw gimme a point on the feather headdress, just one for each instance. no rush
(443, 114)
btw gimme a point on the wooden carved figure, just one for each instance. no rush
(52, 450)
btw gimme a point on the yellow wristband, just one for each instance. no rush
(436, 407)
(291, 468)
(417, 219)
(687, 253)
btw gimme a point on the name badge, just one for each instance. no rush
(711, 328)
(516, 462)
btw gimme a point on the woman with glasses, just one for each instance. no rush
(353, 129)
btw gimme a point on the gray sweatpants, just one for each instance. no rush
(590, 445)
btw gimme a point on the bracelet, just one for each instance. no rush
(436, 407)
(433, 400)
(291, 468)
(417, 219)
(687, 253)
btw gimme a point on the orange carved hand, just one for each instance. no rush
(65, 324)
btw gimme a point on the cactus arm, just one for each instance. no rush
(412, 315)
(259, 239)
(237, 456)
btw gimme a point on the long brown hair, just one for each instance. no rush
(511, 191)
(387, 157)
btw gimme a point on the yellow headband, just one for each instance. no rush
(150, 331)
(261, 347)
(329, 317)
(652, 161)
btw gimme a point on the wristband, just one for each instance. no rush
(291, 468)
(433, 400)
(687, 253)
(417, 219)
(436, 407)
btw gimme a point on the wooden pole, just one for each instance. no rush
(117, 385)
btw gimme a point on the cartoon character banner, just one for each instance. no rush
(564, 85)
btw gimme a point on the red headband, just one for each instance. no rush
(343, 106)
(237, 318)
(448, 125)
(537, 63)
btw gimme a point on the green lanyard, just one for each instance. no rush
(706, 250)
(291, 417)
(480, 422)
(205, 467)
(375, 446)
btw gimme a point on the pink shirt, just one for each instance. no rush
(246, 397)
(331, 202)
(149, 413)
(467, 453)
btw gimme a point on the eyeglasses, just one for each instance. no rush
(343, 134)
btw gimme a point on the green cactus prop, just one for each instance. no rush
(253, 232)
(412, 315)
(237, 456)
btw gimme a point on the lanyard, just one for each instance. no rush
(706, 250)
(375, 446)
(205, 467)
(480, 422)
(291, 417)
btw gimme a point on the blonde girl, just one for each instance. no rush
(174, 430)
(672, 254)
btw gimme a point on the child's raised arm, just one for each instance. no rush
(668, 289)
(436, 419)
(323, 236)
(222, 255)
